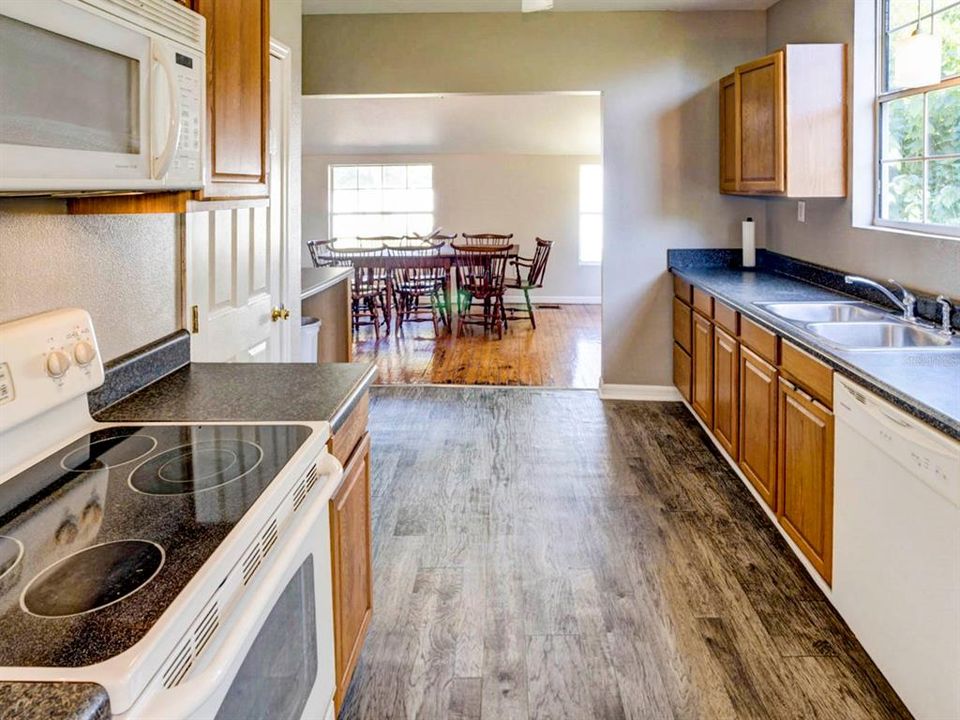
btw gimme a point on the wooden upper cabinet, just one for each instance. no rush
(760, 115)
(805, 474)
(238, 103)
(783, 124)
(728, 134)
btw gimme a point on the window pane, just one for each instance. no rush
(420, 200)
(943, 108)
(395, 200)
(903, 128)
(902, 196)
(370, 200)
(394, 225)
(895, 41)
(901, 12)
(369, 176)
(344, 201)
(421, 223)
(943, 192)
(394, 176)
(947, 26)
(420, 176)
(591, 188)
(591, 238)
(344, 177)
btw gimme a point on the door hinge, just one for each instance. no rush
(195, 319)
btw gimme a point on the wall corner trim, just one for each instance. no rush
(657, 393)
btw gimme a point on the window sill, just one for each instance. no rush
(912, 230)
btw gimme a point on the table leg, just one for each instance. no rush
(388, 310)
(448, 292)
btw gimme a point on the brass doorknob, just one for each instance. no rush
(279, 313)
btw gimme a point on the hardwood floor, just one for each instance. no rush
(564, 351)
(541, 554)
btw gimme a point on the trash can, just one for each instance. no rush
(309, 330)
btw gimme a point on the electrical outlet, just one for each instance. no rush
(801, 211)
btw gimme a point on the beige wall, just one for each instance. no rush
(124, 269)
(828, 236)
(527, 195)
(657, 73)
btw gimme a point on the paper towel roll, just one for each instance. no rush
(749, 243)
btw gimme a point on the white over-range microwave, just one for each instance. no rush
(100, 96)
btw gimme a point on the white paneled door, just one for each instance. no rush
(237, 262)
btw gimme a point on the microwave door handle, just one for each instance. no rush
(161, 162)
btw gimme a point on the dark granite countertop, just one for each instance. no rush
(925, 383)
(44, 701)
(239, 392)
(316, 280)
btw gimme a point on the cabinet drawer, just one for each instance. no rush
(763, 342)
(682, 371)
(345, 439)
(703, 302)
(726, 317)
(808, 372)
(682, 289)
(682, 324)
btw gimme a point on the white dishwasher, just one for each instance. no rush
(897, 547)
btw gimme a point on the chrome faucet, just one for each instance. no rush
(907, 303)
(945, 309)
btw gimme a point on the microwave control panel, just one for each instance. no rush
(187, 164)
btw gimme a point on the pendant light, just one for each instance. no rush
(536, 5)
(917, 59)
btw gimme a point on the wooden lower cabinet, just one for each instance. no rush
(805, 474)
(352, 565)
(702, 357)
(726, 392)
(682, 371)
(758, 424)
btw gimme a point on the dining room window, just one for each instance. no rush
(918, 111)
(379, 200)
(591, 214)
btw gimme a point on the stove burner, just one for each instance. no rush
(107, 452)
(11, 550)
(197, 467)
(92, 579)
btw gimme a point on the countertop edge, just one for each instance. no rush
(337, 275)
(347, 406)
(944, 423)
(66, 700)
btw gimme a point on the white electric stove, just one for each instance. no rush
(183, 567)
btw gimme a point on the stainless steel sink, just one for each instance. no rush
(811, 312)
(877, 335)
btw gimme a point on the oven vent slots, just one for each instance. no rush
(251, 563)
(305, 486)
(269, 537)
(167, 18)
(206, 629)
(179, 667)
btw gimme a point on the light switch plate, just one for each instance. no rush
(801, 211)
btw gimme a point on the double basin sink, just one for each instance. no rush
(857, 326)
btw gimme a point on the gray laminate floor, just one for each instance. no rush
(542, 554)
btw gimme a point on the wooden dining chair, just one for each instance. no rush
(487, 239)
(319, 252)
(368, 306)
(415, 278)
(536, 268)
(481, 270)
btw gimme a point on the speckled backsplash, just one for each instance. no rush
(768, 261)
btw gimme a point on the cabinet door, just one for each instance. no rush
(726, 391)
(702, 395)
(729, 134)
(681, 371)
(238, 74)
(805, 470)
(758, 424)
(352, 566)
(760, 120)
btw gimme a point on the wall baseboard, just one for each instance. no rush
(657, 393)
(511, 299)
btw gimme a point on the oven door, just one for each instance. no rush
(86, 102)
(274, 657)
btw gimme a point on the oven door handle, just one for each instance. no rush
(184, 700)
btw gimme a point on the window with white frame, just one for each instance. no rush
(591, 214)
(380, 200)
(918, 109)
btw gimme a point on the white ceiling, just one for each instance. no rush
(550, 124)
(322, 7)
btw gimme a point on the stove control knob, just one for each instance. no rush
(84, 353)
(57, 364)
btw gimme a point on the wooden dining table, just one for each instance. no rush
(446, 258)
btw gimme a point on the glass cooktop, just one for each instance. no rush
(97, 539)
